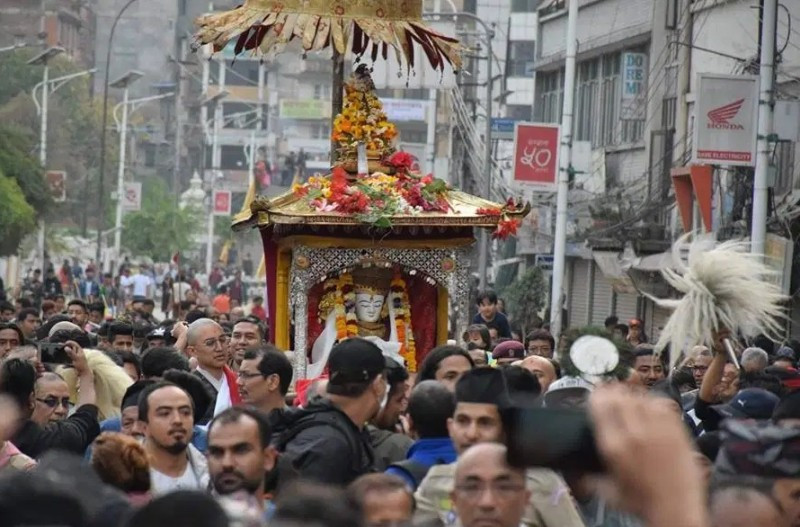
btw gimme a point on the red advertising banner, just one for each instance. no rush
(536, 155)
(222, 203)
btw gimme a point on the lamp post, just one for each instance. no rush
(101, 217)
(44, 60)
(483, 259)
(215, 103)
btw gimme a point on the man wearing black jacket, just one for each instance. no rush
(76, 432)
(327, 441)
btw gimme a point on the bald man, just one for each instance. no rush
(487, 490)
(206, 342)
(542, 368)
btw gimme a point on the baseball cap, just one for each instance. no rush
(63, 326)
(510, 349)
(159, 332)
(750, 403)
(760, 449)
(567, 387)
(355, 360)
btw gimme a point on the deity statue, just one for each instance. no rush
(367, 303)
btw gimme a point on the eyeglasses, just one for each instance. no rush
(500, 489)
(246, 375)
(54, 402)
(210, 343)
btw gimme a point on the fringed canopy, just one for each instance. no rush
(263, 26)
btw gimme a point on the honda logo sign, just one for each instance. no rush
(726, 119)
(536, 155)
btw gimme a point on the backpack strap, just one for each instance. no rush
(413, 468)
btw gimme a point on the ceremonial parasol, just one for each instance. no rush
(264, 26)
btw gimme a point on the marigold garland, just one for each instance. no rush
(362, 119)
(402, 321)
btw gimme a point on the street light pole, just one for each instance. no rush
(483, 258)
(104, 125)
(215, 163)
(565, 160)
(43, 59)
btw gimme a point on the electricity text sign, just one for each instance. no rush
(725, 120)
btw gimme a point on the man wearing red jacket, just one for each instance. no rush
(206, 342)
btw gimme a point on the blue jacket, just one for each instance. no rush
(427, 452)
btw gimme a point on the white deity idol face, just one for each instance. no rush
(368, 307)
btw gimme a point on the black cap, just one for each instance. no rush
(355, 360)
(131, 397)
(483, 385)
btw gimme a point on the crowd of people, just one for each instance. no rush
(114, 418)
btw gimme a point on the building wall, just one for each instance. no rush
(144, 40)
(49, 23)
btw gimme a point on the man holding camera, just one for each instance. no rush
(35, 436)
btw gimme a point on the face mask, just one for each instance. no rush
(385, 400)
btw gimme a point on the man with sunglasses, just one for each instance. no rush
(37, 435)
(52, 402)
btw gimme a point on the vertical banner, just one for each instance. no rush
(726, 120)
(536, 155)
(222, 202)
(132, 196)
(634, 87)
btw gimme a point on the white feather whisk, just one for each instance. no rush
(723, 286)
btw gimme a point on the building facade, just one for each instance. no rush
(69, 24)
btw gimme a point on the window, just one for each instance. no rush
(520, 112)
(521, 55)
(322, 91)
(549, 91)
(241, 72)
(239, 115)
(668, 108)
(524, 6)
(321, 131)
(233, 158)
(671, 20)
(587, 91)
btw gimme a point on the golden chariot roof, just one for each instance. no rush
(463, 210)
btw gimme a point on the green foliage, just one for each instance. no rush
(17, 217)
(160, 228)
(74, 128)
(525, 297)
(18, 164)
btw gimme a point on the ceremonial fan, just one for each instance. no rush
(264, 26)
(723, 286)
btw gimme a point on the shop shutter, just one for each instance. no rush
(602, 298)
(627, 307)
(579, 293)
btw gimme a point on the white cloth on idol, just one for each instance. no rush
(324, 343)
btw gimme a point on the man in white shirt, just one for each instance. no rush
(166, 413)
(142, 283)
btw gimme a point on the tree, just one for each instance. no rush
(17, 216)
(160, 228)
(17, 163)
(525, 298)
